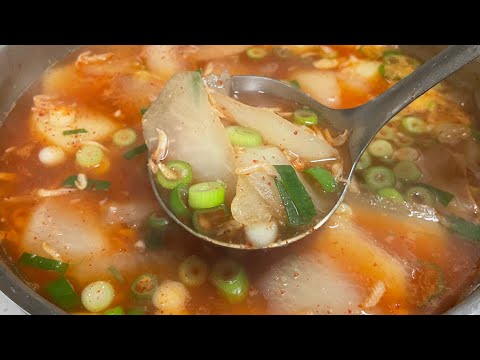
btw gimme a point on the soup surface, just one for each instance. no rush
(80, 222)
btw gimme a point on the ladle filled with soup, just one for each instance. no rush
(81, 223)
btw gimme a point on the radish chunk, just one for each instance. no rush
(194, 131)
(276, 130)
(321, 85)
(262, 234)
(308, 285)
(248, 206)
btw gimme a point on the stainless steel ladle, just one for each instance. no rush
(363, 122)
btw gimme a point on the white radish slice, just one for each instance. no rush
(261, 234)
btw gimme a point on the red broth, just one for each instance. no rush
(367, 259)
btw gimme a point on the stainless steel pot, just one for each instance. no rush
(22, 65)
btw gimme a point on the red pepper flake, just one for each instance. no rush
(255, 161)
(295, 132)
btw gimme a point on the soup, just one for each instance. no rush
(81, 224)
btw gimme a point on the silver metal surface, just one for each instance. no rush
(362, 122)
(21, 65)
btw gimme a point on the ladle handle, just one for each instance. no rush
(380, 110)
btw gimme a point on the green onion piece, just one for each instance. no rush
(157, 223)
(297, 193)
(124, 137)
(463, 227)
(39, 262)
(200, 71)
(380, 148)
(293, 217)
(256, 53)
(381, 69)
(206, 195)
(406, 153)
(364, 162)
(420, 195)
(179, 201)
(135, 312)
(436, 273)
(476, 134)
(63, 294)
(89, 156)
(154, 239)
(75, 132)
(92, 184)
(206, 221)
(388, 53)
(391, 194)
(443, 197)
(230, 280)
(295, 83)
(244, 137)
(116, 274)
(97, 296)
(414, 125)
(324, 177)
(305, 117)
(144, 286)
(129, 155)
(118, 310)
(407, 171)
(143, 110)
(193, 271)
(386, 133)
(378, 177)
(183, 171)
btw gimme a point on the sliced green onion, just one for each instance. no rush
(324, 178)
(241, 136)
(89, 156)
(380, 148)
(124, 137)
(63, 294)
(388, 160)
(118, 310)
(444, 197)
(305, 117)
(435, 272)
(206, 221)
(129, 155)
(200, 71)
(182, 169)
(381, 69)
(386, 133)
(193, 271)
(406, 153)
(92, 184)
(75, 132)
(407, 171)
(364, 162)
(135, 312)
(157, 223)
(97, 296)
(39, 262)
(378, 177)
(420, 195)
(230, 280)
(144, 286)
(293, 217)
(116, 274)
(179, 201)
(297, 193)
(206, 195)
(391, 194)
(295, 83)
(388, 53)
(256, 53)
(414, 125)
(143, 110)
(463, 227)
